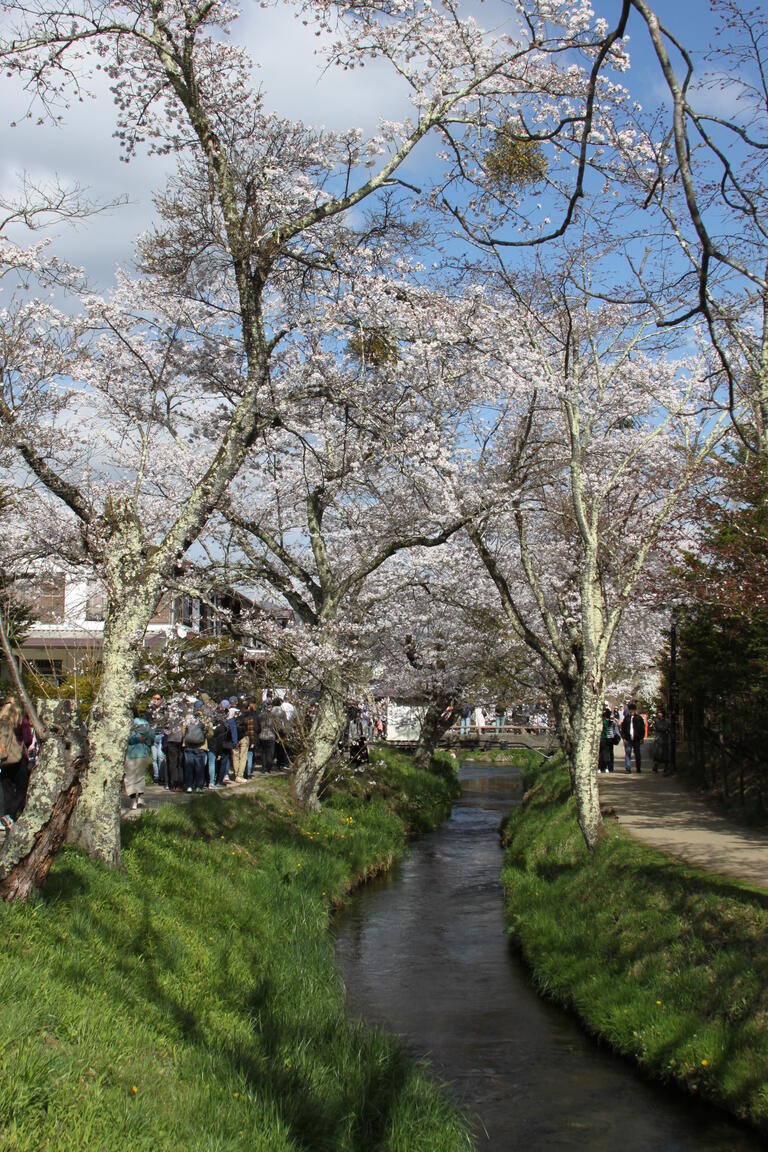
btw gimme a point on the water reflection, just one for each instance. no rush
(424, 954)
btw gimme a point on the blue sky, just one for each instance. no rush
(83, 148)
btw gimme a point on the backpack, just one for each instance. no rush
(220, 740)
(11, 751)
(194, 734)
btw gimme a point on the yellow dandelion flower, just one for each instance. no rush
(134, 1089)
(659, 1003)
(704, 1063)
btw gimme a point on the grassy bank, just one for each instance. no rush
(667, 964)
(519, 756)
(192, 1002)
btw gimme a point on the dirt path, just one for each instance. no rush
(659, 811)
(155, 796)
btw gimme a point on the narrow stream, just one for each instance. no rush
(424, 954)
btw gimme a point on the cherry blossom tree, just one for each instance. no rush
(354, 474)
(582, 481)
(441, 637)
(249, 225)
(700, 177)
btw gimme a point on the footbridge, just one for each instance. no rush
(479, 742)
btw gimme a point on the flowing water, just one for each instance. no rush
(424, 954)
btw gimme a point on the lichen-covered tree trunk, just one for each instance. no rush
(28, 849)
(586, 731)
(564, 724)
(321, 745)
(134, 590)
(434, 726)
(96, 823)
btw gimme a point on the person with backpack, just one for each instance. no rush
(609, 738)
(220, 743)
(14, 723)
(174, 752)
(193, 739)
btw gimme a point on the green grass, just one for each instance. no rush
(518, 757)
(666, 963)
(191, 1001)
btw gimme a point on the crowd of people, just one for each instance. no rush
(191, 744)
(500, 717)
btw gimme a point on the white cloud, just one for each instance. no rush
(81, 151)
(296, 84)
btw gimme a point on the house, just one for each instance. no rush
(69, 611)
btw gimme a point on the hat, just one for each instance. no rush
(224, 705)
(233, 699)
(198, 705)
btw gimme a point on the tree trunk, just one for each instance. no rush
(434, 726)
(133, 595)
(586, 731)
(321, 745)
(564, 723)
(28, 849)
(96, 823)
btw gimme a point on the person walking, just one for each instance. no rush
(633, 734)
(465, 715)
(138, 758)
(609, 738)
